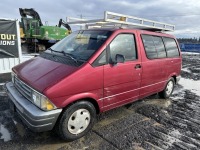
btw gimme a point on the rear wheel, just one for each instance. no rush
(166, 93)
(76, 120)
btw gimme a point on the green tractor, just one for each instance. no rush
(37, 36)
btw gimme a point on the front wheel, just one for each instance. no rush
(166, 93)
(76, 120)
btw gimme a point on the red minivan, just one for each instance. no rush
(89, 72)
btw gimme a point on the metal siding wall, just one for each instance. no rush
(6, 64)
(186, 47)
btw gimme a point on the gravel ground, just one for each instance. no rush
(151, 123)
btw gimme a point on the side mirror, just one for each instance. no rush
(119, 58)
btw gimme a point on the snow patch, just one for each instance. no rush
(175, 133)
(15, 122)
(189, 84)
(171, 140)
(186, 70)
(173, 137)
(179, 93)
(191, 53)
(5, 134)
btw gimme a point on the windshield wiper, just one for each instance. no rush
(64, 53)
(52, 50)
(69, 55)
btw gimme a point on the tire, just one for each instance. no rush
(76, 121)
(167, 92)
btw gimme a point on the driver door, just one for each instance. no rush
(122, 80)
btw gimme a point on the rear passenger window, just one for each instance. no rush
(123, 44)
(154, 46)
(171, 47)
(159, 47)
(149, 46)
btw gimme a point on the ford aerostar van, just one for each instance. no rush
(89, 72)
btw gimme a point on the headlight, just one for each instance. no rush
(42, 101)
(46, 33)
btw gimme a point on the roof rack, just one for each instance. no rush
(112, 19)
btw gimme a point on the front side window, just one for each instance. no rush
(123, 44)
(26, 24)
(81, 45)
(171, 47)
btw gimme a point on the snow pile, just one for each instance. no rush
(189, 84)
(5, 135)
(186, 70)
(190, 53)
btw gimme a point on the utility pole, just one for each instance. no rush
(81, 16)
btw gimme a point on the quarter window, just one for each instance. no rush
(123, 44)
(101, 60)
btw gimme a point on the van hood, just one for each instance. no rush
(40, 73)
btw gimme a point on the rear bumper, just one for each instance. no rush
(36, 119)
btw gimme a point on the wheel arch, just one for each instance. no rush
(173, 75)
(89, 98)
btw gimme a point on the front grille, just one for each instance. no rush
(23, 88)
(37, 32)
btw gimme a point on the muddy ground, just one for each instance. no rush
(151, 123)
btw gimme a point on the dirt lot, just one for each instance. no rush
(151, 123)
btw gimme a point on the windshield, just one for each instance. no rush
(81, 44)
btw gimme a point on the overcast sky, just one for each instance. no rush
(184, 15)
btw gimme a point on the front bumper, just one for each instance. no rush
(36, 119)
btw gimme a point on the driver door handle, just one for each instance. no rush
(138, 66)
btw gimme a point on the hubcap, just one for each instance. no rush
(169, 87)
(79, 121)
